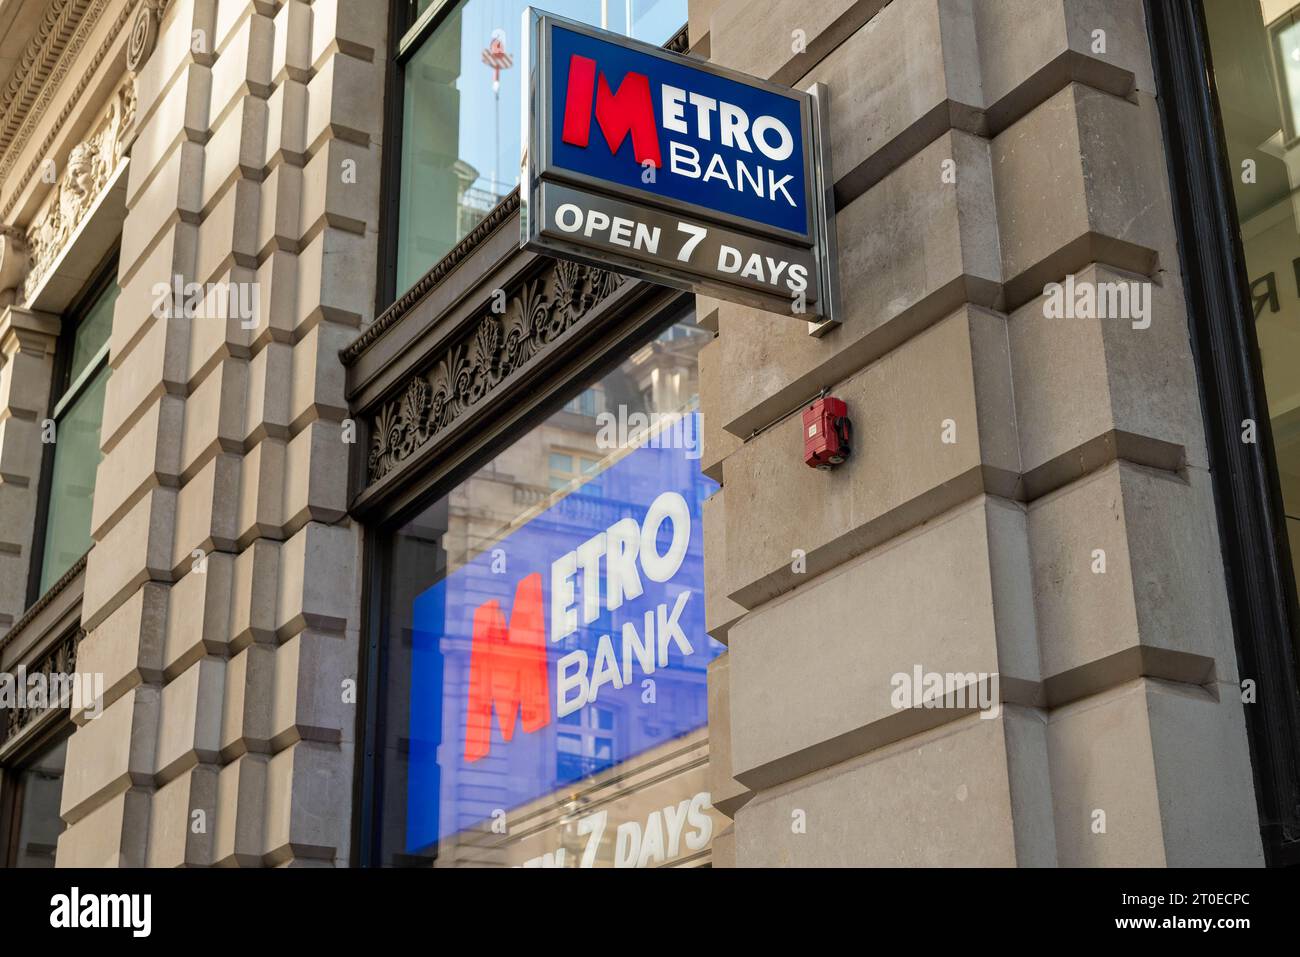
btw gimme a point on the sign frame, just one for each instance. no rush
(537, 169)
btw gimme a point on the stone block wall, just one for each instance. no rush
(1028, 497)
(222, 593)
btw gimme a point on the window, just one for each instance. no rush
(569, 468)
(461, 111)
(1225, 102)
(33, 810)
(78, 410)
(588, 747)
(543, 650)
(1256, 54)
(586, 402)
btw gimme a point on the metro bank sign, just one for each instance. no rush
(570, 645)
(674, 170)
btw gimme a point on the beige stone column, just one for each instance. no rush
(1029, 496)
(27, 341)
(223, 589)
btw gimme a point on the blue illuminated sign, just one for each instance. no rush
(572, 644)
(628, 117)
(675, 170)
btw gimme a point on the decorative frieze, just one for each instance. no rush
(52, 670)
(24, 112)
(497, 346)
(679, 42)
(144, 33)
(37, 63)
(90, 166)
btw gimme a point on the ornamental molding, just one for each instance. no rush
(144, 33)
(59, 660)
(13, 262)
(89, 168)
(459, 253)
(499, 215)
(31, 101)
(36, 64)
(51, 593)
(680, 42)
(494, 348)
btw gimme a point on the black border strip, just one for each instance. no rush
(1252, 530)
(103, 277)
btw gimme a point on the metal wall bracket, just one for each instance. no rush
(828, 240)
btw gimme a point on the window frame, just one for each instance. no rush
(1247, 492)
(64, 393)
(598, 358)
(11, 794)
(406, 36)
(618, 328)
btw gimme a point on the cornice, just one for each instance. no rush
(36, 63)
(53, 67)
(462, 250)
(469, 369)
(58, 660)
(677, 43)
(43, 602)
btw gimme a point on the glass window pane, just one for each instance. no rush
(39, 791)
(92, 333)
(473, 653)
(417, 7)
(1255, 47)
(72, 488)
(461, 110)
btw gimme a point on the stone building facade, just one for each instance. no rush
(351, 390)
(221, 593)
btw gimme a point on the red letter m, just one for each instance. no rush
(627, 111)
(507, 669)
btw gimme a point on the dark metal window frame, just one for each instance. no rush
(579, 370)
(400, 47)
(62, 394)
(407, 33)
(1252, 529)
(54, 726)
(618, 327)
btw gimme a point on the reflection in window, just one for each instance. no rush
(461, 114)
(459, 580)
(570, 468)
(586, 403)
(36, 802)
(78, 412)
(586, 752)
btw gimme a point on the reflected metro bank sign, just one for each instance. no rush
(573, 644)
(676, 171)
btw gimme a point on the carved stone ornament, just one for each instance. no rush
(467, 372)
(89, 166)
(59, 660)
(13, 261)
(144, 33)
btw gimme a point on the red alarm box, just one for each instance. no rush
(826, 432)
